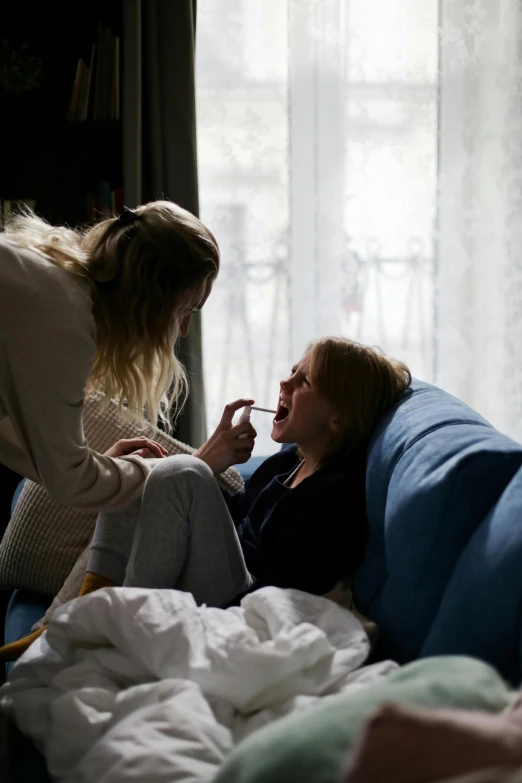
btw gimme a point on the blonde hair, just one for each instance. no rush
(360, 382)
(139, 271)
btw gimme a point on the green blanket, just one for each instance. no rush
(313, 745)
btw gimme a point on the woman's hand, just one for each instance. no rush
(226, 447)
(138, 447)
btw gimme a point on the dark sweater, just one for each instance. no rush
(308, 537)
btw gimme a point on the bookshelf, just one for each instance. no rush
(44, 157)
(61, 139)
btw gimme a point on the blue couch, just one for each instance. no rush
(442, 572)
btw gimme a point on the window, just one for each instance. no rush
(317, 124)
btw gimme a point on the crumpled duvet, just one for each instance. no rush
(132, 684)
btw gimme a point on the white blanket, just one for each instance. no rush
(144, 680)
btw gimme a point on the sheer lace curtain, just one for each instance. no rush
(360, 162)
(478, 274)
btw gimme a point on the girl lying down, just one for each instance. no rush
(301, 521)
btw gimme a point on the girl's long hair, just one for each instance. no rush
(360, 382)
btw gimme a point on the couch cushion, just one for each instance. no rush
(481, 612)
(435, 470)
(24, 609)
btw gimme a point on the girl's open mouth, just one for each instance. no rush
(282, 412)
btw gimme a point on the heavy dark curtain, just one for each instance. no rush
(159, 141)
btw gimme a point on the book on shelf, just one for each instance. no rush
(77, 87)
(96, 88)
(85, 91)
(80, 112)
(106, 68)
(116, 80)
(96, 96)
(105, 202)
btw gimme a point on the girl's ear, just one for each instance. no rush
(335, 425)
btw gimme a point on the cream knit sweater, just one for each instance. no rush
(47, 344)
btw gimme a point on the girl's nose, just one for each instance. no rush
(285, 385)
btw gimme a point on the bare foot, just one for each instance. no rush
(410, 745)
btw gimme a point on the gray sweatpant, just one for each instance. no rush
(179, 535)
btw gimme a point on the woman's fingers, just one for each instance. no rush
(231, 409)
(153, 446)
(247, 444)
(246, 441)
(145, 453)
(127, 446)
(242, 456)
(228, 445)
(243, 430)
(156, 449)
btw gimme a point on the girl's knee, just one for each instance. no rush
(181, 465)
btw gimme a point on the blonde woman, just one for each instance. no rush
(99, 309)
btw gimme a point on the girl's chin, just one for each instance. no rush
(279, 434)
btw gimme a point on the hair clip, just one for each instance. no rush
(128, 216)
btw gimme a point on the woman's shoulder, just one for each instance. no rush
(31, 285)
(14, 255)
(28, 268)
